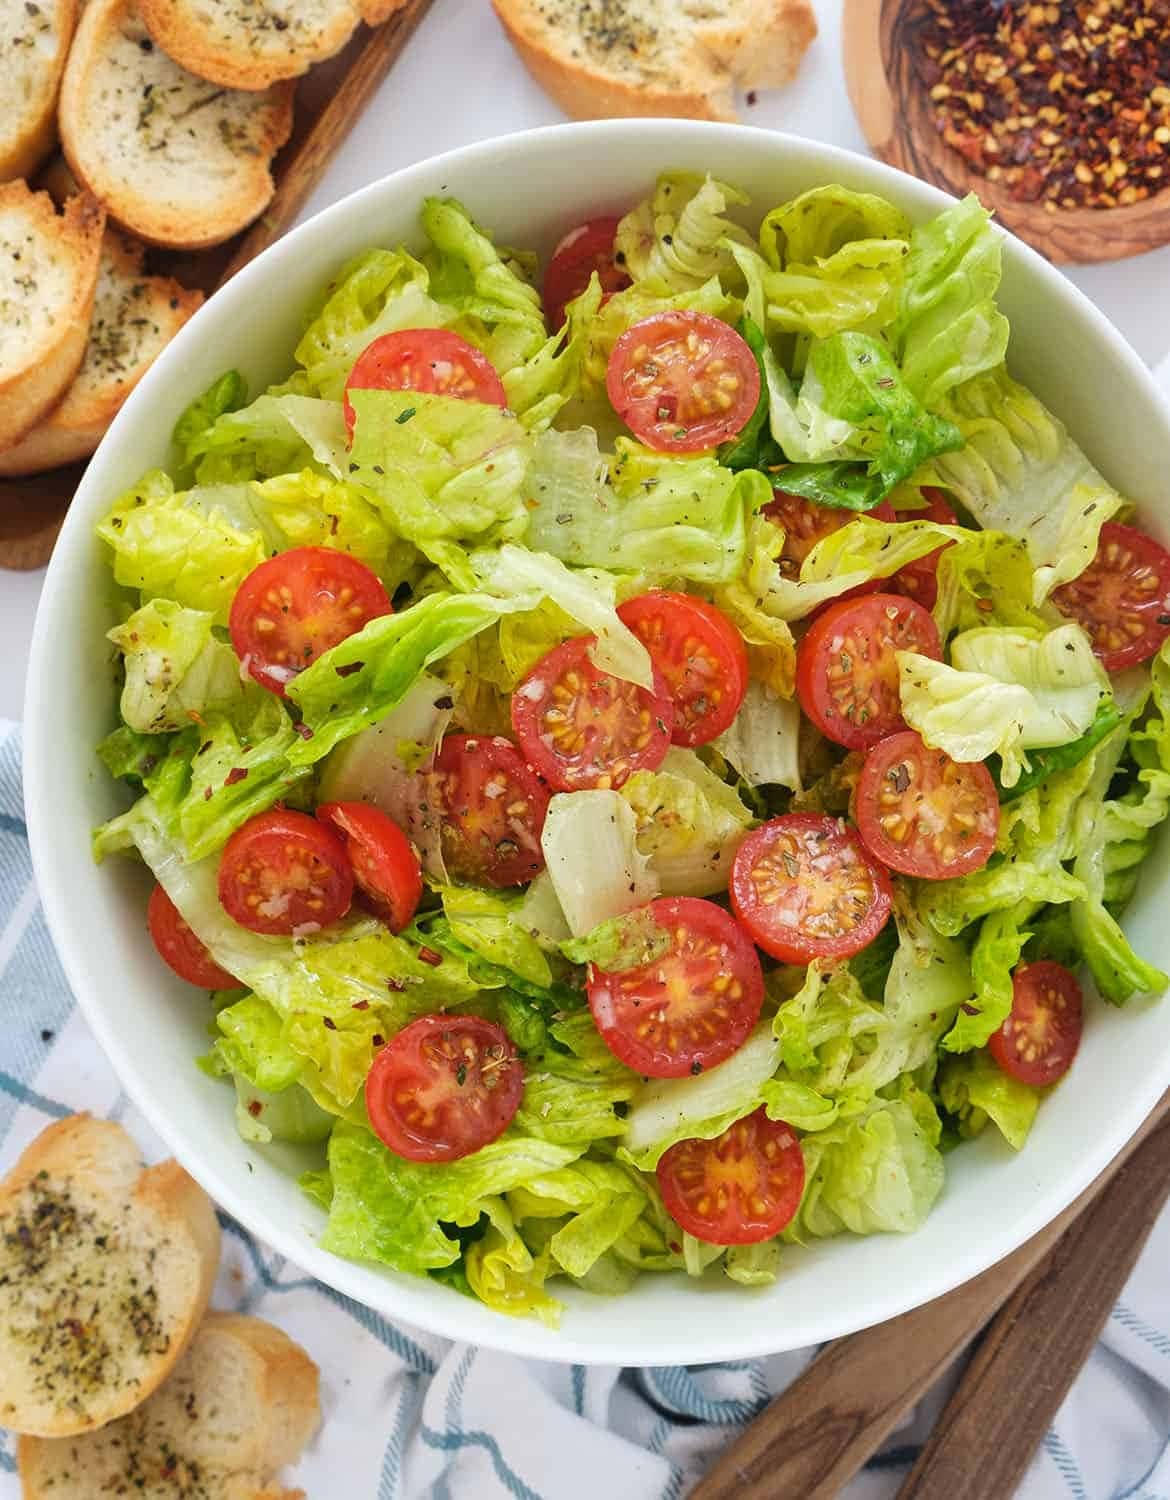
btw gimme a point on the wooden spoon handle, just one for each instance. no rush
(1021, 1372)
(818, 1433)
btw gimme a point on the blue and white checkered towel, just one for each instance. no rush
(407, 1415)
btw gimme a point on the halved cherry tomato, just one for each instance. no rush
(492, 808)
(1122, 599)
(283, 872)
(579, 727)
(918, 580)
(846, 670)
(806, 887)
(432, 360)
(298, 604)
(689, 1008)
(583, 250)
(701, 656)
(683, 381)
(385, 866)
(922, 813)
(444, 1087)
(806, 523)
(1038, 1041)
(742, 1187)
(178, 946)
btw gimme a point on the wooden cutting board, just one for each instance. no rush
(329, 101)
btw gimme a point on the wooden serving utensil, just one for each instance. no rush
(883, 56)
(816, 1435)
(329, 102)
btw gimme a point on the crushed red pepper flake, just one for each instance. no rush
(1064, 102)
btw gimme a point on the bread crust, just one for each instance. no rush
(755, 44)
(28, 127)
(190, 1419)
(187, 172)
(58, 329)
(108, 1272)
(236, 60)
(113, 363)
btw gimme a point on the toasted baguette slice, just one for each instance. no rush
(105, 1273)
(657, 57)
(48, 275)
(134, 318)
(378, 12)
(253, 44)
(34, 43)
(176, 160)
(242, 1404)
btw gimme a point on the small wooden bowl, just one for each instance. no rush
(883, 55)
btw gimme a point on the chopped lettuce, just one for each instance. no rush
(1019, 472)
(878, 1172)
(690, 823)
(975, 1091)
(228, 393)
(654, 513)
(678, 237)
(591, 852)
(948, 328)
(176, 669)
(763, 742)
(1006, 691)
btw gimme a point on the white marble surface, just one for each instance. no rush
(459, 81)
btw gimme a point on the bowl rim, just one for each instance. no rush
(441, 1316)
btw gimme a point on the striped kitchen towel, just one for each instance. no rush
(407, 1415)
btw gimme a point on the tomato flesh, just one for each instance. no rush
(683, 381)
(285, 873)
(492, 807)
(806, 888)
(847, 672)
(921, 813)
(918, 580)
(385, 867)
(295, 606)
(738, 1189)
(702, 658)
(1122, 599)
(690, 1007)
(434, 361)
(178, 946)
(1039, 1039)
(579, 727)
(444, 1087)
(583, 250)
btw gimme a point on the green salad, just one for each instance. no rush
(648, 757)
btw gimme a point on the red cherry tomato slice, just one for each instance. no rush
(1122, 599)
(385, 866)
(295, 606)
(806, 887)
(583, 250)
(444, 1087)
(1038, 1041)
(740, 1188)
(702, 658)
(432, 360)
(806, 523)
(918, 580)
(492, 808)
(283, 872)
(178, 946)
(921, 813)
(692, 1006)
(683, 381)
(579, 727)
(846, 670)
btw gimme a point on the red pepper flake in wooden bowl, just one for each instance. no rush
(1065, 102)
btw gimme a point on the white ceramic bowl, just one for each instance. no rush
(529, 188)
